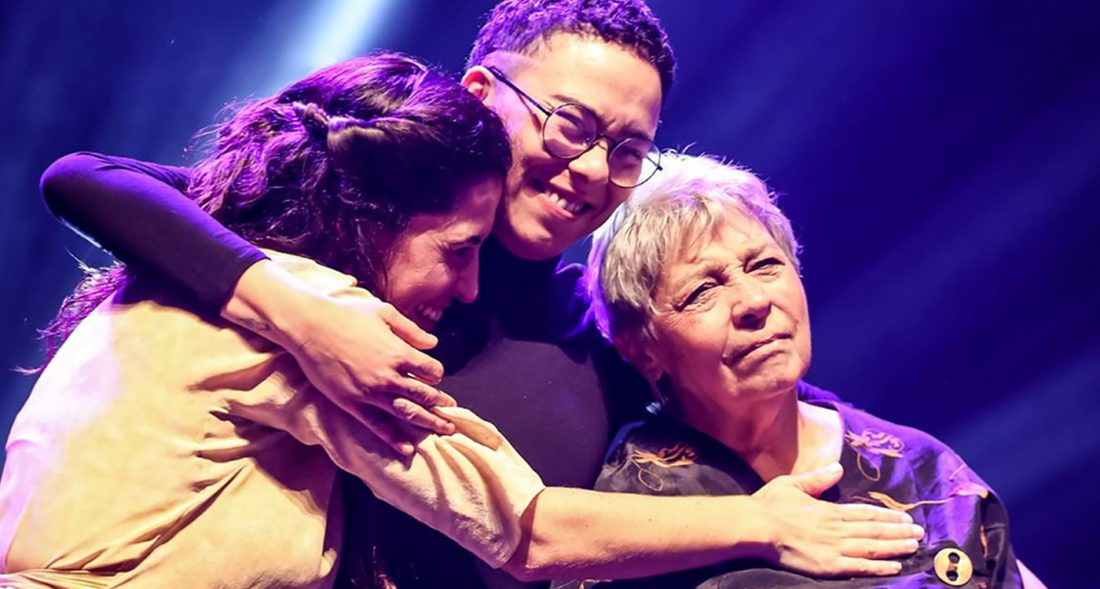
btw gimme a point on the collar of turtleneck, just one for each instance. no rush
(503, 274)
(518, 299)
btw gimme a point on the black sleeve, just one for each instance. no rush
(139, 213)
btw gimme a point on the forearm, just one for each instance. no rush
(138, 212)
(357, 350)
(575, 533)
(267, 300)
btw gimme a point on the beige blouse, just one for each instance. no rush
(161, 449)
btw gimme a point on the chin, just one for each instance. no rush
(769, 386)
(525, 247)
(529, 239)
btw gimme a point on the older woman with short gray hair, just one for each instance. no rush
(690, 196)
(696, 282)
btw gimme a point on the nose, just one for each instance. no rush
(752, 307)
(591, 166)
(466, 284)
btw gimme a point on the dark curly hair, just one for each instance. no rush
(521, 26)
(333, 167)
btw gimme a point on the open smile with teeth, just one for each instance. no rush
(429, 313)
(573, 208)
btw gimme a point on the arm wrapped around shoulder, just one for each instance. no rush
(471, 486)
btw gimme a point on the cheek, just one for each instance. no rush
(399, 286)
(800, 313)
(695, 345)
(795, 311)
(616, 197)
(437, 285)
(805, 336)
(526, 139)
(413, 274)
(422, 285)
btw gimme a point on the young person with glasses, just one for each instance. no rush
(570, 130)
(522, 356)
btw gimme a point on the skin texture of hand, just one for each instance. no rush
(359, 351)
(579, 534)
(827, 540)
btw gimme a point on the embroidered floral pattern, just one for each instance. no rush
(883, 444)
(874, 442)
(677, 455)
(962, 490)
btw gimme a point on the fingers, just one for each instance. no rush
(861, 512)
(877, 549)
(412, 389)
(388, 429)
(419, 416)
(818, 481)
(423, 367)
(848, 566)
(418, 364)
(408, 330)
(410, 401)
(883, 531)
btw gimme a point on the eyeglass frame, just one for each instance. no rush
(613, 143)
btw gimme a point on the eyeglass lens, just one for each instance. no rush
(571, 130)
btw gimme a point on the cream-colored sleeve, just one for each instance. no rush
(472, 486)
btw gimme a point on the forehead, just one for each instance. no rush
(728, 239)
(613, 81)
(472, 216)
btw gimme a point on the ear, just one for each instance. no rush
(637, 349)
(479, 82)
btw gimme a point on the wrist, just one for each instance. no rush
(759, 536)
(269, 302)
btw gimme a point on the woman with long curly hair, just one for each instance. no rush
(161, 447)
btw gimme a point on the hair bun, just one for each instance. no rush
(352, 141)
(314, 119)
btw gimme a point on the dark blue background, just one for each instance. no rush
(940, 160)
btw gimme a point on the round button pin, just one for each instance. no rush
(953, 567)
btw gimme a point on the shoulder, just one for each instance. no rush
(318, 276)
(567, 293)
(649, 434)
(87, 164)
(814, 394)
(652, 457)
(916, 446)
(646, 435)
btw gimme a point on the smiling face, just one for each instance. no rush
(435, 259)
(732, 322)
(551, 203)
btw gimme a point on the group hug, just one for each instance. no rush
(342, 350)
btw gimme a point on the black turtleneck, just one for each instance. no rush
(526, 357)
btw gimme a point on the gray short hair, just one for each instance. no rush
(686, 199)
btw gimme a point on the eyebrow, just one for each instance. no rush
(630, 131)
(706, 266)
(471, 240)
(699, 269)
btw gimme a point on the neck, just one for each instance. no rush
(500, 263)
(775, 436)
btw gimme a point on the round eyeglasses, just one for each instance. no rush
(570, 130)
